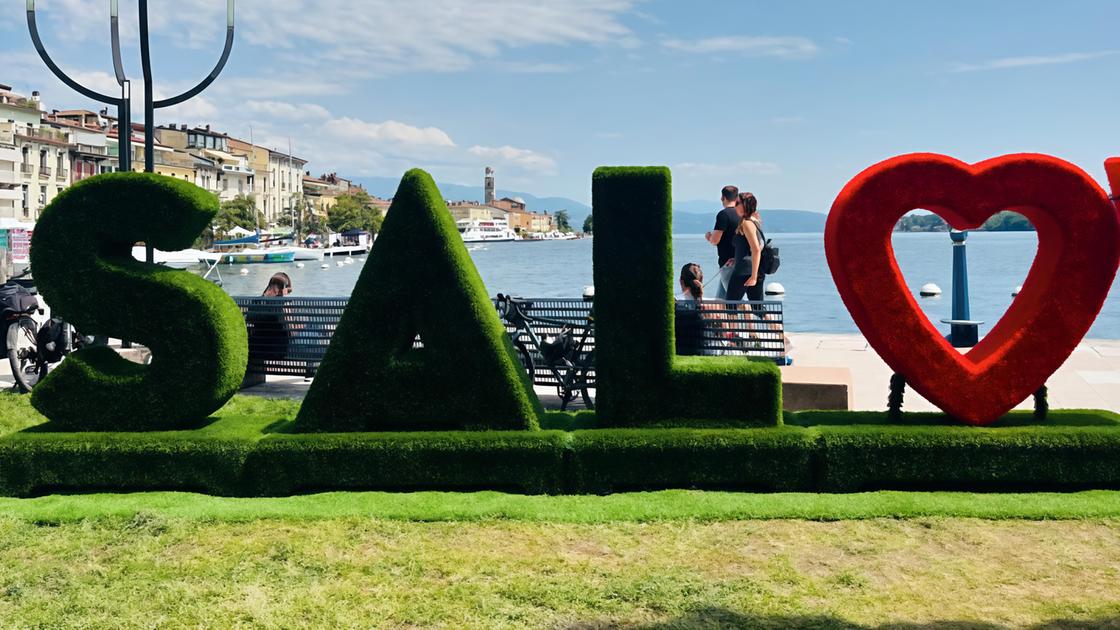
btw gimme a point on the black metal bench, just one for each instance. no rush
(289, 335)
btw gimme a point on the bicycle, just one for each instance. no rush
(32, 347)
(565, 356)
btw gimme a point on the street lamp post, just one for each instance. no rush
(123, 103)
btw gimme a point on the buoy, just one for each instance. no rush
(1017, 291)
(775, 288)
(340, 264)
(299, 265)
(929, 289)
(244, 271)
(324, 266)
(349, 260)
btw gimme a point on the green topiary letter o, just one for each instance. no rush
(81, 255)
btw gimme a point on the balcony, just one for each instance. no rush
(44, 172)
(27, 169)
(63, 175)
(10, 178)
(11, 194)
(45, 134)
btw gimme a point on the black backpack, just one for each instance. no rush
(771, 259)
(51, 340)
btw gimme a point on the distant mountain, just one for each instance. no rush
(1005, 221)
(386, 187)
(689, 217)
(697, 217)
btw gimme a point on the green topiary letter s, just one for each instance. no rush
(640, 380)
(419, 280)
(81, 255)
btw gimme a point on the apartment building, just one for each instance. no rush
(284, 187)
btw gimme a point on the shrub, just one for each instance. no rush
(515, 461)
(854, 458)
(419, 280)
(81, 256)
(640, 380)
(615, 460)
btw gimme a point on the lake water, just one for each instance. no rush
(997, 263)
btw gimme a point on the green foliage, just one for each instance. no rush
(515, 461)
(637, 507)
(616, 460)
(466, 376)
(245, 449)
(563, 221)
(967, 458)
(1005, 221)
(640, 380)
(1008, 221)
(241, 211)
(354, 211)
(588, 224)
(82, 261)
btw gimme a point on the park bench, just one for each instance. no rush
(288, 336)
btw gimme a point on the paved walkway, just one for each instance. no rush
(1090, 379)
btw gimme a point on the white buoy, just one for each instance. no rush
(775, 288)
(244, 271)
(340, 264)
(349, 260)
(1017, 291)
(299, 265)
(929, 289)
(324, 266)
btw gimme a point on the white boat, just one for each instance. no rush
(299, 253)
(485, 230)
(554, 235)
(181, 259)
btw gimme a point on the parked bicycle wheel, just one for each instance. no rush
(23, 354)
(526, 358)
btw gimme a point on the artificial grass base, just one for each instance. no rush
(244, 450)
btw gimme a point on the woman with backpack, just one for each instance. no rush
(747, 278)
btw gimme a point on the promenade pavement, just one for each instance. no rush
(1089, 379)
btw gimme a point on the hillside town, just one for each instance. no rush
(42, 151)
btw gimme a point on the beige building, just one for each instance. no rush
(473, 210)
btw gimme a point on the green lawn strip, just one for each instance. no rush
(668, 505)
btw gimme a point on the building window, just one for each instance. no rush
(43, 158)
(42, 196)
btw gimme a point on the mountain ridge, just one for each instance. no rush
(689, 217)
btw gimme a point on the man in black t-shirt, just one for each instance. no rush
(722, 236)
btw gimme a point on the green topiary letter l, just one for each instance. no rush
(641, 382)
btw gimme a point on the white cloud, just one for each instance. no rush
(752, 46)
(389, 131)
(528, 67)
(289, 111)
(523, 158)
(733, 168)
(1039, 60)
(842, 40)
(381, 37)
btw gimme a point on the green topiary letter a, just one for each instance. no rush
(419, 280)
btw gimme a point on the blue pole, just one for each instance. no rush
(963, 333)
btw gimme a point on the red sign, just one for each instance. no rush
(1078, 252)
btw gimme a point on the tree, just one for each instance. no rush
(587, 225)
(240, 211)
(563, 221)
(354, 210)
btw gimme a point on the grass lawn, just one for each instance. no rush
(152, 571)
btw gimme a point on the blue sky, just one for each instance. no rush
(789, 99)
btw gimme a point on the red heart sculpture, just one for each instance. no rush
(1078, 252)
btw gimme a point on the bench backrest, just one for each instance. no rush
(290, 335)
